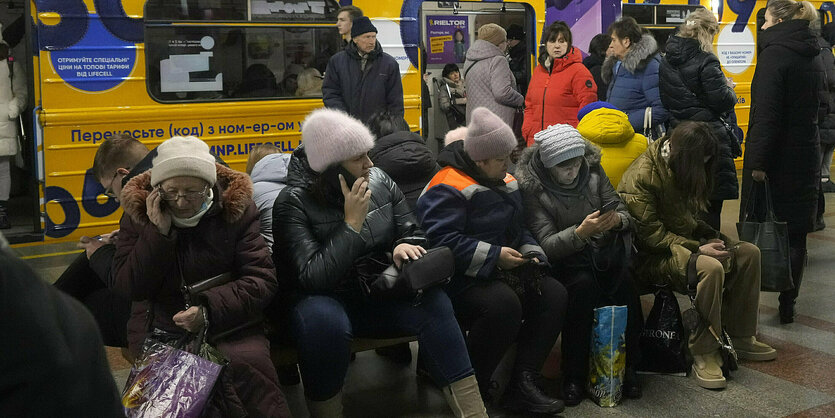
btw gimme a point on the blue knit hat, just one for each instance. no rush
(594, 106)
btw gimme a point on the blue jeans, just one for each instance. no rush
(323, 327)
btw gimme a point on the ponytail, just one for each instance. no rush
(785, 10)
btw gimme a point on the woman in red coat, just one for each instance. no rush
(560, 86)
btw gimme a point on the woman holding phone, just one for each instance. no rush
(188, 219)
(579, 220)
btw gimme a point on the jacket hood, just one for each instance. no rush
(793, 34)
(272, 168)
(233, 187)
(680, 50)
(606, 126)
(530, 181)
(354, 53)
(573, 56)
(481, 50)
(299, 173)
(403, 155)
(636, 58)
(593, 60)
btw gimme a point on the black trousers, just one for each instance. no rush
(110, 309)
(492, 313)
(584, 294)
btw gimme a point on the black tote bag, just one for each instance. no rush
(772, 238)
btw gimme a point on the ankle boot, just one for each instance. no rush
(329, 408)
(524, 395)
(707, 370)
(787, 298)
(464, 399)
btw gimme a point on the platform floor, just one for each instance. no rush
(800, 383)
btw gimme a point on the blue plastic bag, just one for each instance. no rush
(607, 359)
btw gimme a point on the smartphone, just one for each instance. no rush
(609, 207)
(530, 254)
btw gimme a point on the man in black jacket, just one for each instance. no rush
(53, 362)
(363, 80)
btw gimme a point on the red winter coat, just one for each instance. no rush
(148, 266)
(556, 96)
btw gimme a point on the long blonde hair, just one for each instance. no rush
(702, 26)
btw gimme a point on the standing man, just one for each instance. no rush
(363, 80)
(345, 17)
(519, 57)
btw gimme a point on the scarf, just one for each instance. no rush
(194, 220)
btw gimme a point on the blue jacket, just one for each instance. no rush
(361, 93)
(633, 83)
(474, 218)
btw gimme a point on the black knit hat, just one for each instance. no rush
(362, 25)
(516, 32)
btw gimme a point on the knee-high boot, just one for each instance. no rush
(787, 298)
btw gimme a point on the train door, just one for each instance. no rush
(18, 186)
(448, 29)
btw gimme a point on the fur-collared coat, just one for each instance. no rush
(151, 266)
(633, 83)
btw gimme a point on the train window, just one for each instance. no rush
(242, 10)
(205, 63)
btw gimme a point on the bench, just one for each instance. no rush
(284, 355)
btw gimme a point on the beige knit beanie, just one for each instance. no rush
(331, 136)
(183, 156)
(492, 33)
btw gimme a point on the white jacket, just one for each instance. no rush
(12, 103)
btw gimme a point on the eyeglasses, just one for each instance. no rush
(109, 190)
(190, 196)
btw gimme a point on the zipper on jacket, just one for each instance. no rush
(544, 92)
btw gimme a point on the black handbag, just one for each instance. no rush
(692, 319)
(434, 268)
(772, 238)
(192, 293)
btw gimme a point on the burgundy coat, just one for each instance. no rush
(150, 266)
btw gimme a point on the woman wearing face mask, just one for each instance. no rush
(337, 214)
(565, 189)
(665, 189)
(188, 219)
(560, 85)
(783, 139)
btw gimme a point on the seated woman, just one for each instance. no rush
(453, 98)
(188, 219)
(574, 212)
(336, 216)
(402, 154)
(267, 167)
(664, 189)
(474, 207)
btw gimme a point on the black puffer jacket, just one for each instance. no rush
(405, 157)
(595, 65)
(315, 250)
(362, 93)
(827, 124)
(783, 135)
(693, 87)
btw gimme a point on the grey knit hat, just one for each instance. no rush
(331, 136)
(488, 136)
(558, 143)
(183, 156)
